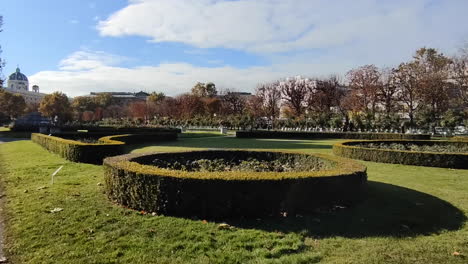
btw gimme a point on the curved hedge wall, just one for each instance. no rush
(325, 135)
(350, 149)
(133, 184)
(94, 153)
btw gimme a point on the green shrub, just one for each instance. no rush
(219, 194)
(459, 138)
(323, 135)
(440, 148)
(355, 150)
(78, 151)
(94, 153)
(253, 162)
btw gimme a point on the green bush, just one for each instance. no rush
(134, 184)
(118, 130)
(459, 138)
(94, 153)
(323, 135)
(355, 150)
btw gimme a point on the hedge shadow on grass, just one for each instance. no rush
(389, 211)
(239, 143)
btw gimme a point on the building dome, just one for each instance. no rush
(18, 76)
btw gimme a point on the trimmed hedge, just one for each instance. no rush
(118, 130)
(459, 138)
(350, 149)
(133, 184)
(94, 153)
(325, 135)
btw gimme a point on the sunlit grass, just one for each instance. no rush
(413, 215)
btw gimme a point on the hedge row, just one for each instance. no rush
(350, 149)
(94, 153)
(119, 130)
(459, 138)
(133, 184)
(325, 135)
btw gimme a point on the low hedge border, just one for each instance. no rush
(331, 135)
(459, 138)
(94, 153)
(349, 149)
(230, 194)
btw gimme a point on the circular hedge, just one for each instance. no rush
(445, 154)
(132, 181)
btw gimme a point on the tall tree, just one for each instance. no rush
(104, 100)
(189, 106)
(11, 105)
(295, 91)
(432, 69)
(387, 92)
(325, 95)
(233, 103)
(204, 90)
(460, 74)
(406, 81)
(56, 105)
(81, 104)
(270, 94)
(156, 98)
(364, 82)
(2, 63)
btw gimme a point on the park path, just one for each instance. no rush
(3, 259)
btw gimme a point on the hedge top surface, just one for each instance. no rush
(340, 167)
(109, 140)
(351, 144)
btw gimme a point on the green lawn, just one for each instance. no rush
(413, 215)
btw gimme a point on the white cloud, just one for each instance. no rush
(87, 71)
(86, 60)
(306, 37)
(265, 26)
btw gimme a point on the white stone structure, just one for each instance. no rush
(18, 83)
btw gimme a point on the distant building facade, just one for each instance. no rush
(18, 83)
(123, 98)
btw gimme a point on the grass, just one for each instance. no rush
(199, 134)
(413, 215)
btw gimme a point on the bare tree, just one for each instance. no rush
(295, 91)
(364, 83)
(433, 70)
(270, 94)
(388, 92)
(2, 63)
(460, 74)
(406, 82)
(325, 95)
(233, 103)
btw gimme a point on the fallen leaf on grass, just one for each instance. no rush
(225, 226)
(56, 210)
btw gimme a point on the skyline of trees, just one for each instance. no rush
(429, 90)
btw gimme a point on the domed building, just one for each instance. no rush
(18, 83)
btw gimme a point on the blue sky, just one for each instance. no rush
(79, 46)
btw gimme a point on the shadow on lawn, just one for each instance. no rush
(236, 143)
(389, 211)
